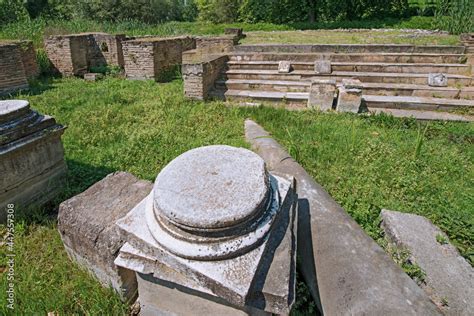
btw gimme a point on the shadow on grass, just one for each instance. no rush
(79, 177)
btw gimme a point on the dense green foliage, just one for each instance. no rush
(366, 164)
(453, 15)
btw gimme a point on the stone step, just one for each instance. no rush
(408, 78)
(359, 67)
(353, 57)
(368, 88)
(415, 103)
(424, 115)
(290, 100)
(350, 48)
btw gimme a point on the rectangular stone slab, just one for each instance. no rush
(448, 275)
(86, 223)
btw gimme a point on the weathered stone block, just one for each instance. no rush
(86, 223)
(438, 80)
(90, 76)
(449, 277)
(349, 96)
(218, 227)
(321, 95)
(31, 156)
(284, 66)
(322, 67)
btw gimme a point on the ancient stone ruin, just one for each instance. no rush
(425, 82)
(86, 223)
(215, 236)
(75, 54)
(31, 156)
(153, 57)
(17, 65)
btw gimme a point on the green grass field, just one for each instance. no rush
(366, 163)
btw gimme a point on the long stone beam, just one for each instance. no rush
(345, 270)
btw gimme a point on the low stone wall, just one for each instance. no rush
(151, 57)
(199, 77)
(74, 54)
(31, 156)
(105, 49)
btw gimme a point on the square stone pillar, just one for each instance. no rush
(216, 236)
(350, 96)
(321, 95)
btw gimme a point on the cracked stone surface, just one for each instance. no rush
(260, 276)
(449, 277)
(86, 223)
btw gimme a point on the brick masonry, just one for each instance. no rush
(17, 65)
(199, 77)
(151, 57)
(74, 54)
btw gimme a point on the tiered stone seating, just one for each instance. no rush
(394, 77)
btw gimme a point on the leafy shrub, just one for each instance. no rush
(218, 11)
(455, 16)
(12, 11)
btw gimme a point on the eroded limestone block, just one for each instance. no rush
(31, 156)
(219, 230)
(321, 95)
(93, 76)
(86, 223)
(284, 66)
(322, 66)
(449, 277)
(349, 96)
(438, 80)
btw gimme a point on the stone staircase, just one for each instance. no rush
(394, 77)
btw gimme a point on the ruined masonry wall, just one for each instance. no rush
(75, 54)
(199, 78)
(148, 58)
(12, 71)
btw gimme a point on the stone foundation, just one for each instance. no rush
(199, 77)
(152, 57)
(74, 54)
(17, 65)
(31, 156)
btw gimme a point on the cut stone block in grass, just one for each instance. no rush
(93, 76)
(449, 279)
(86, 223)
(349, 96)
(321, 94)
